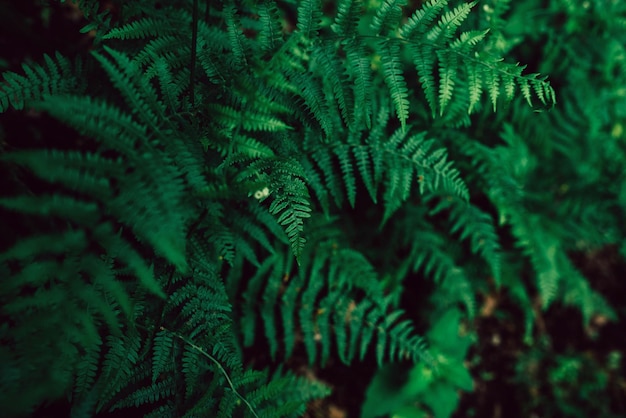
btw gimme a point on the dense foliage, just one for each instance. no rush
(233, 197)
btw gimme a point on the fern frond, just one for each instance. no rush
(101, 119)
(347, 18)
(309, 18)
(291, 206)
(412, 156)
(148, 27)
(167, 85)
(448, 65)
(119, 361)
(422, 18)
(86, 370)
(331, 68)
(56, 77)
(450, 22)
(270, 35)
(147, 395)
(387, 15)
(28, 248)
(237, 42)
(392, 71)
(162, 347)
(166, 46)
(424, 60)
(359, 68)
(543, 251)
(137, 91)
(314, 100)
(475, 86)
(394, 337)
(84, 213)
(347, 168)
(477, 226)
(494, 88)
(430, 253)
(365, 166)
(250, 121)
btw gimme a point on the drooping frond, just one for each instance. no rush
(309, 18)
(291, 207)
(313, 300)
(392, 70)
(399, 164)
(387, 15)
(56, 77)
(438, 59)
(347, 18)
(476, 226)
(270, 37)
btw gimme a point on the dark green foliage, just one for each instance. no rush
(275, 191)
(56, 76)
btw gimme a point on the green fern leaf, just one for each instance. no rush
(238, 42)
(324, 160)
(478, 227)
(450, 22)
(270, 297)
(86, 370)
(309, 18)
(347, 18)
(119, 361)
(421, 19)
(162, 348)
(331, 68)
(347, 169)
(474, 83)
(84, 213)
(525, 88)
(509, 86)
(270, 36)
(148, 395)
(392, 70)
(57, 77)
(192, 369)
(291, 206)
(494, 88)
(447, 74)
(287, 311)
(139, 94)
(387, 14)
(364, 165)
(148, 27)
(314, 100)
(250, 121)
(424, 60)
(359, 69)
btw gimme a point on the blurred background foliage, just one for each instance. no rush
(519, 355)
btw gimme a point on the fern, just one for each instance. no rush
(309, 16)
(473, 224)
(162, 352)
(57, 77)
(395, 81)
(224, 172)
(291, 206)
(387, 14)
(320, 316)
(402, 158)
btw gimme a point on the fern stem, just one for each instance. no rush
(217, 363)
